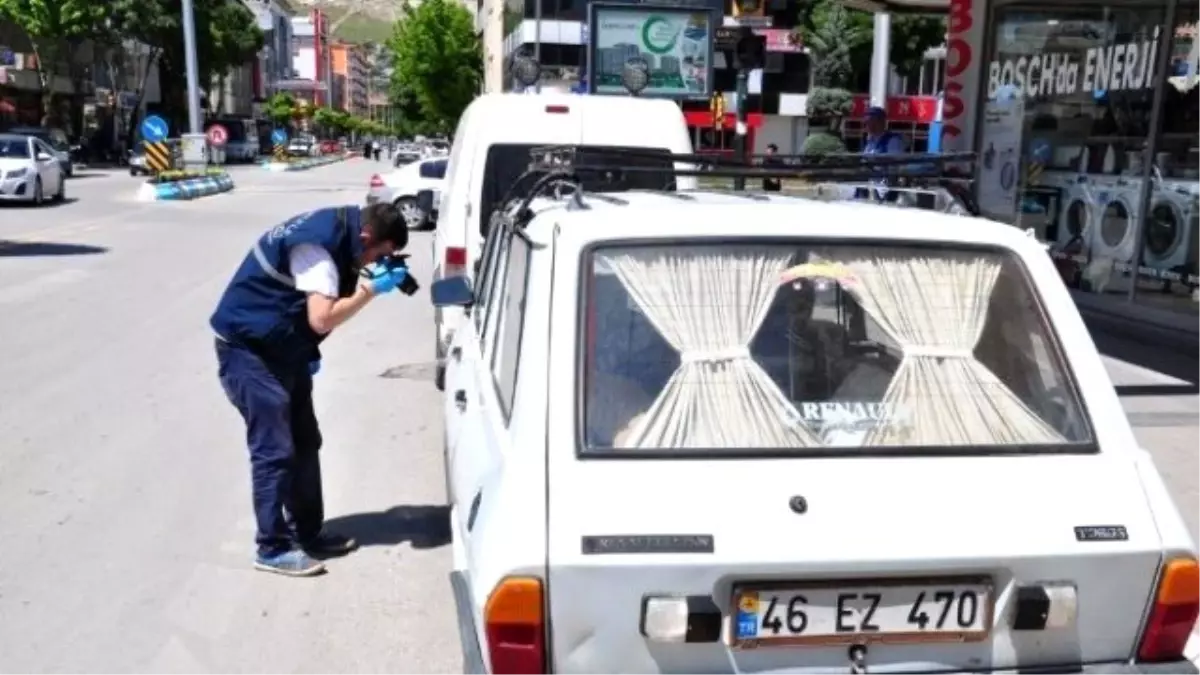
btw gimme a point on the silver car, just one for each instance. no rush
(56, 139)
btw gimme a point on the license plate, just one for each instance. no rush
(861, 613)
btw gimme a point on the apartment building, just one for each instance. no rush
(274, 63)
(312, 59)
(351, 74)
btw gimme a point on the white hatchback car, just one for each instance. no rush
(29, 171)
(735, 432)
(400, 187)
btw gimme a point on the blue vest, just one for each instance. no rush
(261, 308)
(879, 144)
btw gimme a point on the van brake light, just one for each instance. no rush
(558, 109)
(456, 261)
(1173, 616)
(376, 181)
(514, 621)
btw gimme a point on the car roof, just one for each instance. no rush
(715, 214)
(10, 136)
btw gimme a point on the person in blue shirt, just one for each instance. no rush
(880, 141)
(300, 280)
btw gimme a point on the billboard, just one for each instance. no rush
(677, 43)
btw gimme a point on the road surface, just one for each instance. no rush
(127, 527)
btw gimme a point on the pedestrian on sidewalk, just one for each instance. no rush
(300, 281)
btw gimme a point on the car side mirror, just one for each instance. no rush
(425, 202)
(43, 157)
(452, 292)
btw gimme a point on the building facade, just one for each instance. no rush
(351, 78)
(274, 63)
(312, 58)
(1085, 115)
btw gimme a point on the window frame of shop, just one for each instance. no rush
(1144, 202)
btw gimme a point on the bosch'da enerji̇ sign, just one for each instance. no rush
(1045, 69)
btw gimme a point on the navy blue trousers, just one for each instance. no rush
(284, 439)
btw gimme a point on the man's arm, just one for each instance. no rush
(317, 276)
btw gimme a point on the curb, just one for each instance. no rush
(185, 189)
(304, 165)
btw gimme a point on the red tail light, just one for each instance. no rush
(515, 626)
(456, 261)
(376, 181)
(558, 109)
(1174, 614)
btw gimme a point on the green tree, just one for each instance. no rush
(57, 30)
(280, 108)
(438, 59)
(226, 36)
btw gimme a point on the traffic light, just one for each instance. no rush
(750, 52)
(743, 9)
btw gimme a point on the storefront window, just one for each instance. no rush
(1066, 122)
(1167, 274)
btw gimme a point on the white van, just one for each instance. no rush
(491, 150)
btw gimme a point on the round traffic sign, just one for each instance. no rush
(217, 134)
(154, 129)
(279, 136)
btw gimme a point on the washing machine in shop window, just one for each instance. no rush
(1172, 237)
(1116, 223)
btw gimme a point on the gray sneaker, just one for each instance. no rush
(295, 563)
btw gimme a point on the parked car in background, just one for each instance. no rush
(57, 141)
(400, 187)
(405, 155)
(29, 170)
(302, 146)
(137, 161)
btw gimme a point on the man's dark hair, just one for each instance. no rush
(772, 147)
(385, 223)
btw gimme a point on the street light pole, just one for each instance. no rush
(195, 150)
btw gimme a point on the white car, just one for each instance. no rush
(400, 187)
(29, 171)
(734, 432)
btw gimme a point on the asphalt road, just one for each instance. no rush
(126, 529)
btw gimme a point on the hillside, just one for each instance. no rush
(358, 21)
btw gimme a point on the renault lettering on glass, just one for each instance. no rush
(946, 610)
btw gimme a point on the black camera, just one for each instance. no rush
(400, 260)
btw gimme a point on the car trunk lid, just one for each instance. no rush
(622, 531)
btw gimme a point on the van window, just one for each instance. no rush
(507, 162)
(507, 357)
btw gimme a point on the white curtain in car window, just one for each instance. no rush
(935, 306)
(708, 302)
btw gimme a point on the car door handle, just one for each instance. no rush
(460, 399)
(456, 352)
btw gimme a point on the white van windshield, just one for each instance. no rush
(817, 348)
(506, 162)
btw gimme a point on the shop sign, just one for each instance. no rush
(911, 109)
(7, 56)
(1122, 67)
(959, 57)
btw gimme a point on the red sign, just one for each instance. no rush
(704, 118)
(217, 134)
(912, 109)
(959, 59)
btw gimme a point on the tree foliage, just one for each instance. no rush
(438, 62)
(833, 36)
(827, 23)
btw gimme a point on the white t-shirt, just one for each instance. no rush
(313, 269)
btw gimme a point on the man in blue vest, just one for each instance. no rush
(301, 280)
(880, 141)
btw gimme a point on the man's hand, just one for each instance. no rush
(385, 279)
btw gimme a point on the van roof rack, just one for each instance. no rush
(901, 179)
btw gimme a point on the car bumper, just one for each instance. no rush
(1182, 666)
(16, 189)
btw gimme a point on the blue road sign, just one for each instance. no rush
(154, 129)
(278, 136)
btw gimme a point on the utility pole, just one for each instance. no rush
(749, 53)
(881, 51)
(195, 146)
(537, 38)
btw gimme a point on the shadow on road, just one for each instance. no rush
(423, 526)
(48, 204)
(30, 249)
(1171, 363)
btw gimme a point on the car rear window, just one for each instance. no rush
(812, 347)
(506, 163)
